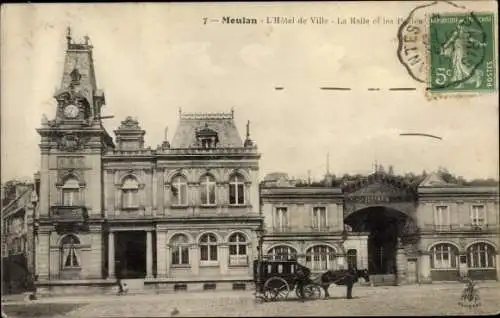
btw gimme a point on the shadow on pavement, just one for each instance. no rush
(38, 310)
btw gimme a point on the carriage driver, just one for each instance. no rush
(303, 274)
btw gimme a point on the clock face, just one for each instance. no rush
(71, 111)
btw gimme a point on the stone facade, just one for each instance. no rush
(445, 231)
(17, 239)
(192, 204)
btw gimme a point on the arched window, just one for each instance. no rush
(321, 258)
(207, 190)
(180, 250)
(352, 258)
(208, 247)
(236, 190)
(282, 253)
(71, 192)
(238, 249)
(130, 190)
(444, 256)
(69, 252)
(481, 255)
(179, 191)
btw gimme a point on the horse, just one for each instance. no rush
(342, 277)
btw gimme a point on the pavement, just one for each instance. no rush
(432, 299)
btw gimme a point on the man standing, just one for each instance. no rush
(303, 274)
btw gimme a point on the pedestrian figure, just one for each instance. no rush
(470, 295)
(303, 274)
(122, 286)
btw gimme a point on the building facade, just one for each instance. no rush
(185, 213)
(17, 239)
(191, 213)
(400, 232)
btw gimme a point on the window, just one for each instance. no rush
(444, 256)
(179, 191)
(282, 253)
(180, 250)
(352, 258)
(442, 216)
(69, 249)
(319, 218)
(208, 190)
(130, 190)
(208, 247)
(281, 219)
(238, 249)
(236, 190)
(481, 255)
(478, 215)
(320, 258)
(70, 192)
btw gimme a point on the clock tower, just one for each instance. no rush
(72, 145)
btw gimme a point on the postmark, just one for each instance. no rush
(449, 49)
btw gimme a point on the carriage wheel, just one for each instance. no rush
(276, 288)
(312, 291)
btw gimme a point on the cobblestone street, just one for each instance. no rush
(403, 300)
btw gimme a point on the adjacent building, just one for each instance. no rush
(18, 213)
(400, 232)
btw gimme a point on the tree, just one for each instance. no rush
(391, 170)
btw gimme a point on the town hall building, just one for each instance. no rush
(187, 211)
(193, 213)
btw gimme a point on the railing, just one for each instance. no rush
(182, 151)
(202, 151)
(306, 229)
(238, 260)
(461, 227)
(282, 229)
(316, 228)
(69, 213)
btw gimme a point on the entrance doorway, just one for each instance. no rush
(384, 226)
(130, 254)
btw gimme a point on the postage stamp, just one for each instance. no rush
(450, 49)
(461, 52)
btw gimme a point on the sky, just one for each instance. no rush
(152, 59)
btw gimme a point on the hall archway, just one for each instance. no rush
(385, 227)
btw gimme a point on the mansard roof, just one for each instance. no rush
(190, 125)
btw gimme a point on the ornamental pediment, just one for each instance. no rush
(379, 189)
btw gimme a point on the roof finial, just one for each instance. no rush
(248, 129)
(166, 133)
(68, 35)
(232, 112)
(86, 38)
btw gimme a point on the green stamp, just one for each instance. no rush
(462, 52)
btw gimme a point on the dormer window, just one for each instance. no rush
(207, 138)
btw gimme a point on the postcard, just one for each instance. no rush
(250, 159)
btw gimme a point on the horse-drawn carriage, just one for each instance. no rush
(276, 279)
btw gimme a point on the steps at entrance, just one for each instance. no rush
(134, 286)
(383, 280)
